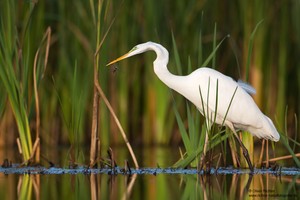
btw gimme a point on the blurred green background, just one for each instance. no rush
(141, 101)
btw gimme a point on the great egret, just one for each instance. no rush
(225, 101)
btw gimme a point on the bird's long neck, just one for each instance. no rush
(161, 70)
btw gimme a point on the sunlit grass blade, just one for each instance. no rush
(229, 105)
(216, 104)
(212, 54)
(250, 48)
(39, 67)
(193, 135)
(215, 140)
(176, 56)
(183, 132)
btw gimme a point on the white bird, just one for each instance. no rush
(225, 101)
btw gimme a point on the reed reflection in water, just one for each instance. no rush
(160, 186)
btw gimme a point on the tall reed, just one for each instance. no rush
(13, 66)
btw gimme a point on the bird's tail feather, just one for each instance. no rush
(272, 131)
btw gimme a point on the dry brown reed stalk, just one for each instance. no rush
(281, 158)
(261, 152)
(34, 153)
(233, 153)
(219, 160)
(117, 123)
(95, 141)
(95, 145)
(19, 145)
(36, 149)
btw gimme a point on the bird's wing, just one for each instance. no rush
(248, 88)
(221, 96)
(242, 110)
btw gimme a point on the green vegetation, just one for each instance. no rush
(145, 107)
(14, 72)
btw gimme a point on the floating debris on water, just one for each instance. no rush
(16, 169)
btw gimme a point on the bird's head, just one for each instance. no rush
(140, 48)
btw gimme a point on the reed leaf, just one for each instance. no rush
(212, 54)
(250, 49)
(8, 59)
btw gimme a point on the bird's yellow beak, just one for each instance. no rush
(118, 59)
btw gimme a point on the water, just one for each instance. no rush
(147, 186)
(149, 183)
(114, 171)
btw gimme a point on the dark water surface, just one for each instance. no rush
(147, 183)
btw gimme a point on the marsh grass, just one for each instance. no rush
(11, 62)
(137, 97)
(74, 119)
(286, 140)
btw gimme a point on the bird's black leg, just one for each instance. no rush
(245, 151)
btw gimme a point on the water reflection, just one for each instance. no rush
(161, 186)
(148, 186)
(28, 186)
